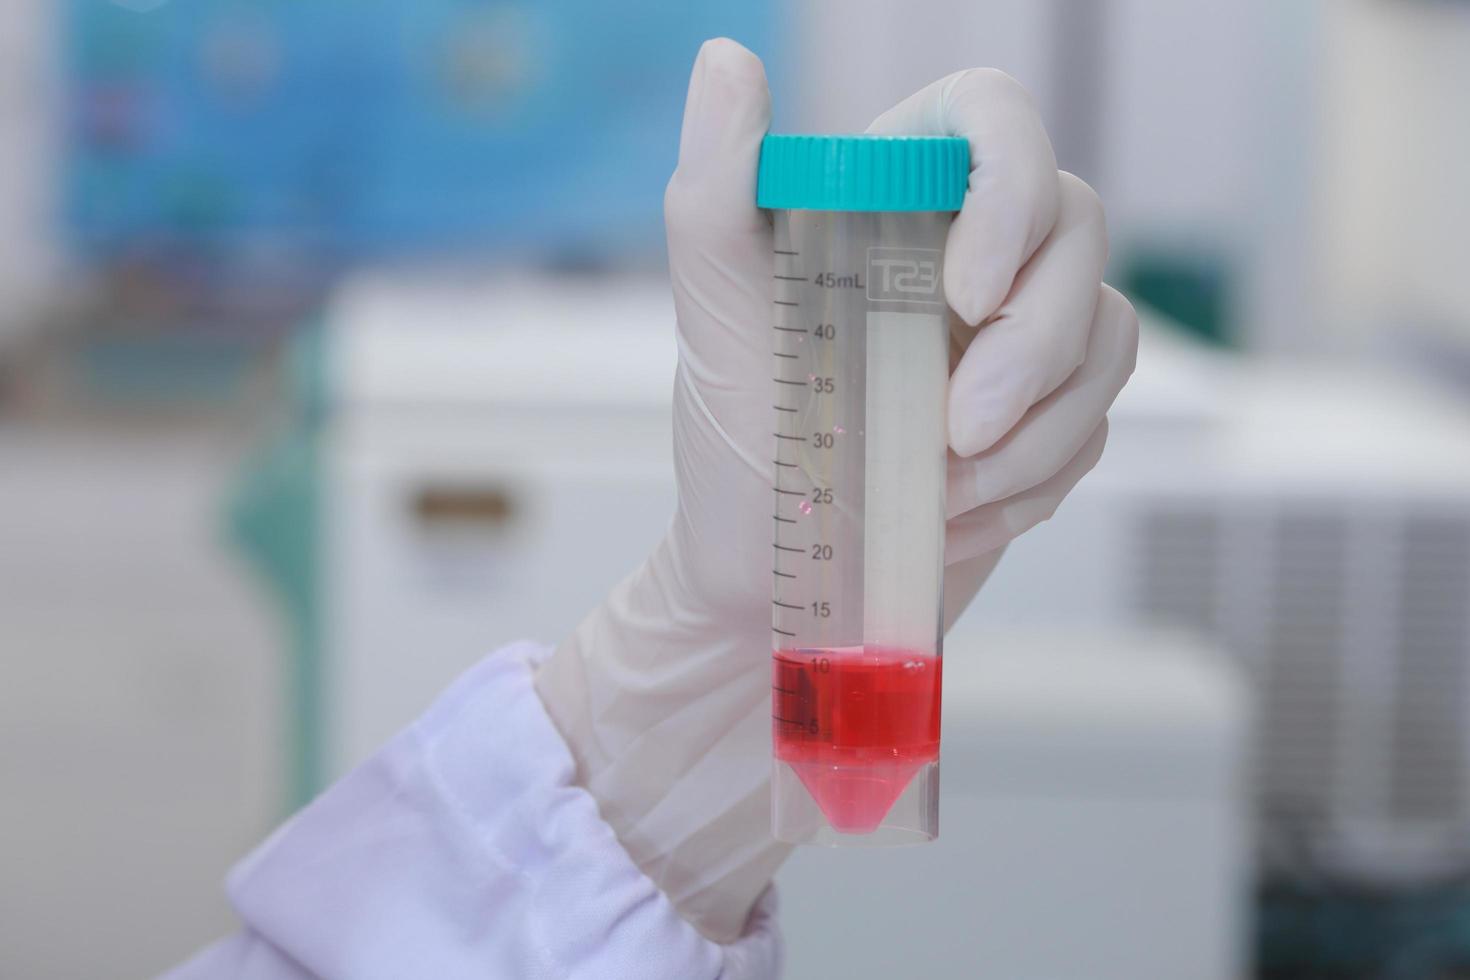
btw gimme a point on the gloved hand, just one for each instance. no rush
(663, 691)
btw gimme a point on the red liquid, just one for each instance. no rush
(855, 725)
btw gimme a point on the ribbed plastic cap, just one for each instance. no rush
(863, 173)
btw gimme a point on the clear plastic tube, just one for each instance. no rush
(860, 369)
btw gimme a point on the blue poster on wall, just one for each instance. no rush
(353, 128)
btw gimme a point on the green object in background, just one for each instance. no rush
(1191, 286)
(1319, 933)
(274, 518)
(168, 368)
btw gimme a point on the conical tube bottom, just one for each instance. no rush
(855, 799)
(887, 803)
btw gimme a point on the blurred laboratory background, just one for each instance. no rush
(335, 349)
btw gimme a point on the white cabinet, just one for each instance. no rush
(495, 459)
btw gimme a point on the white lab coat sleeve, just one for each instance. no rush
(464, 849)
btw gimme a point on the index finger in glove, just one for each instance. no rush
(1011, 203)
(719, 242)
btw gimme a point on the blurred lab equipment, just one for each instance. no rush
(1393, 263)
(139, 701)
(1315, 522)
(1097, 823)
(861, 374)
(445, 490)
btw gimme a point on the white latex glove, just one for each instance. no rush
(663, 691)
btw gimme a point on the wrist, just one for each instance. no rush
(666, 710)
(642, 656)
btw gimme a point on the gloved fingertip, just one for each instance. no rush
(730, 57)
(971, 432)
(881, 124)
(973, 287)
(966, 304)
(986, 400)
(728, 107)
(692, 99)
(972, 438)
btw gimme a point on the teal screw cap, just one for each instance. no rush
(863, 173)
